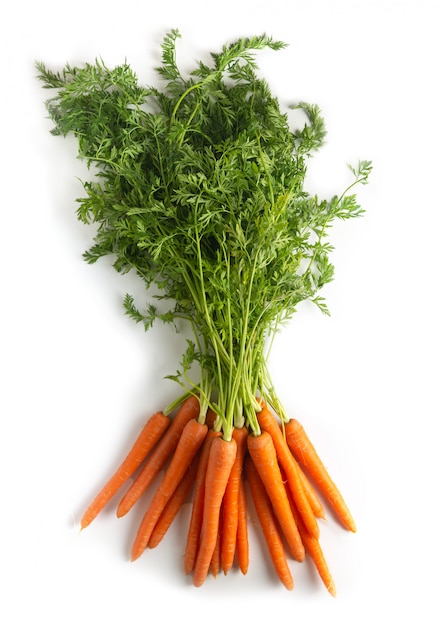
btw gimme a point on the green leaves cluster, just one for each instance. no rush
(198, 187)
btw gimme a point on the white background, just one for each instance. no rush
(78, 376)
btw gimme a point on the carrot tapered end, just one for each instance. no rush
(332, 589)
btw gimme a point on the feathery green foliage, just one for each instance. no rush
(198, 186)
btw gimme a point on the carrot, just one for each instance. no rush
(215, 561)
(230, 502)
(268, 523)
(312, 497)
(188, 410)
(211, 418)
(314, 550)
(151, 433)
(196, 518)
(263, 453)
(285, 457)
(222, 456)
(306, 454)
(173, 505)
(189, 443)
(242, 535)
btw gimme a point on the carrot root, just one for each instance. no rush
(173, 506)
(230, 502)
(314, 550)
(242, 541)
(306, 454)
(151, 433)
(198, 457)
(285, 458)
(196, 518)
(189, 443)
(268, 523)
(160, 455)
(264, 457)
(222, 456)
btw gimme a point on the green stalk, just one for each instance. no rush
(212, 181)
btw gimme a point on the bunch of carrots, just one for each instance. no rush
(199, 192)
(280, 466)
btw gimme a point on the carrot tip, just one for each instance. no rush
(121, 511)
(136, 554)
(350, 525)
(332, 589)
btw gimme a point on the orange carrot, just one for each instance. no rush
(311, 494)
(151, 433)
(189, 443)
(263, 453)
(160, 455)
(268, 423)
(211, 418)
(196, 518)
(306, 454)
(174, 505)
(268, 524)
(215, 561)
(222, 456)
(242, 538)
(314, 550)
(230, 502)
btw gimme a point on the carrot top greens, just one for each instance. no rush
(198, 186)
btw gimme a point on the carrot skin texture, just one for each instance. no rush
(173, 506)
(211, 418)
(221, 459)
(230, 503)
(285, 457)
(312, 497)
(160, 455)
(264, 457)
(268, 524)
(315, 552)
(242, 541)
(215, 561)
(196, 518)
(306, 454)
(151, 433)
(189, 443)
